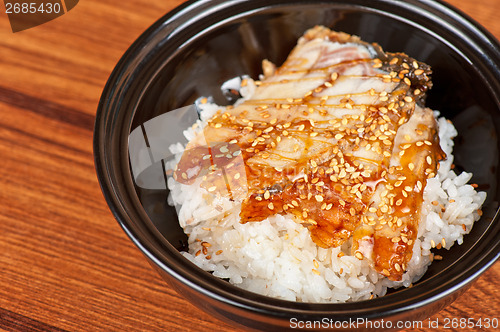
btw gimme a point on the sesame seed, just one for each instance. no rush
(419, 72)
(212, 188)
(312, 221)
(419, 185)
(270, 206)
(267, 194)
(359, 255)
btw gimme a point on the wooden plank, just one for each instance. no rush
(66, 264)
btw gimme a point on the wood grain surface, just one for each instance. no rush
(65, 263)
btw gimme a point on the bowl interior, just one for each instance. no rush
(200, 56)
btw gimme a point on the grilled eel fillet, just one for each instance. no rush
(338, 137)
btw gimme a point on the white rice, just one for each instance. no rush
(277, 258)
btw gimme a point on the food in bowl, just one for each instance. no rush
(329, 181)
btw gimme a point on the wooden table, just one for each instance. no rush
(65, 263)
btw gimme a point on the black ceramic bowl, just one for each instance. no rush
(192, 50)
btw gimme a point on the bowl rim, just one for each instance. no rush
(197, 280)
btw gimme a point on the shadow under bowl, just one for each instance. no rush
(192, 50)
